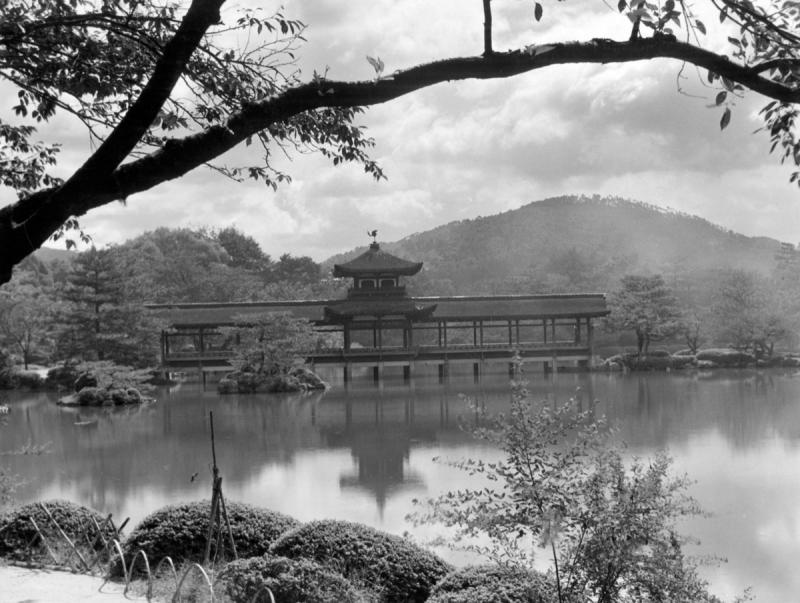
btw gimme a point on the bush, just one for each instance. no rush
(64, 375)
(492, 584)
(179, 531)
(6, 369)
(392, 567)
(290, 580)
(725, 357)
(17, 531)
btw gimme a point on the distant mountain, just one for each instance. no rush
(573, 243)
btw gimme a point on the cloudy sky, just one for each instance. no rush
(461, 150)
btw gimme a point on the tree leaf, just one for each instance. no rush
(700, 26)
(622, 5)
(726, 118)
(721, 96)
(537, 11)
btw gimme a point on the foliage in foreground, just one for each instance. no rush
(290, 580)
(179, 531)
(17, 531)
(608, 527)
(392, 567)
(492, 584)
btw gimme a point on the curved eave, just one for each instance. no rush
(343, 271)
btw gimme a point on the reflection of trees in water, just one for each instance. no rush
(158, 448)
(744, 406)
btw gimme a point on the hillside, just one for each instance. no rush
(573, 243)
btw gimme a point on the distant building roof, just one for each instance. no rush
(488, 307)
(376, 262)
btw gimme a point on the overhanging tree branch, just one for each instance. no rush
(27, 224)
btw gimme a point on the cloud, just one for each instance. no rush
(468, 148)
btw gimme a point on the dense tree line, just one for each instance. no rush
(741, 309)
(91, 305)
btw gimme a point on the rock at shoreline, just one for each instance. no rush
(298, 379)
(100, 396)
(724, 358)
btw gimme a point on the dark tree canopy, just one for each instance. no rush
(161, 91)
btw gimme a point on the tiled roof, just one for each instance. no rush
(405, 306)
(490, 307)
(374, 262)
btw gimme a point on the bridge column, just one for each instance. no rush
(346, 336)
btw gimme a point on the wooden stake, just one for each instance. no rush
(64, 536)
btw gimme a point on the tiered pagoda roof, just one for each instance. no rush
(374, 262)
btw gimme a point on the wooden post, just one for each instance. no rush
(480, 327)
(439, 332)
(553, 329)
(407, 373)
(474, 334)
(476, 372)
(444, 326)
(215, 489)
(518, 331)
(577, 330)
(510, 336)
(544, 330)
(347, 336)
(202, 342)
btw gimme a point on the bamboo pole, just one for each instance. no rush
(64, 536)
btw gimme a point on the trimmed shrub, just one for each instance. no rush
(492, 584)
(391, 567)
(179, 531)
(290, 580)
(17, 530)
(725, 357)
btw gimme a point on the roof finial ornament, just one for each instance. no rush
(374, 235)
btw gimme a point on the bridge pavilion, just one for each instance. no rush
(379, 324)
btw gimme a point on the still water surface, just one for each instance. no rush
(364, 453)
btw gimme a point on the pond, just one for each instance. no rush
(364, 452)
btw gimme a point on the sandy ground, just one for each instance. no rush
(23, 585)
